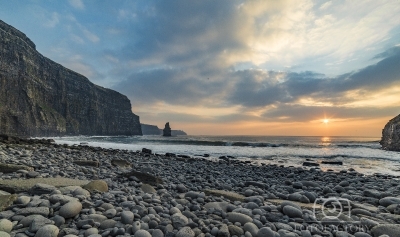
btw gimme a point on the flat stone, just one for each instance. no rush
(10, 168)
(228, 195)
(44, 211)
(39, 189)
(96, 185)
(92, 163)
(24, 185)
(121, 163)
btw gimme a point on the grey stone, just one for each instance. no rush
(48, 231)
(265, 231)
(91, 231)
(70, 209)
(179, 220)
(157, 233)
(239, 217)
(44, 211)
(392, 230)
(251, 227)
(185, 232)
(107, 224)
(142, 233)
(6, 225)
(127, 217)
(235, 230)
(39, 189)
(223, 231)
(23, 200)
(292, 212)
(38, 223)
(217, 205)
(4, 234)
(387, 201)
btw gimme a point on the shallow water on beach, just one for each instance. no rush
(363, 154)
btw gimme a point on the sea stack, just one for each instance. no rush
(167, 130)
(391, 135)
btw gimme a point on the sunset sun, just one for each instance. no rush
(325, 121)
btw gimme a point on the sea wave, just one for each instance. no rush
(371, 145)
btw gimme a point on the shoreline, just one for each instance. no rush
(196, 196)
(368, 162)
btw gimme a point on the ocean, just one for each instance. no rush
(364, 154)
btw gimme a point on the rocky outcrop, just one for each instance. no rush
(178, 133)
(167, 130)
(391, 135)
(148, 129)
(39, 97)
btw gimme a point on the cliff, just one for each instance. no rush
(178, 133)
(39, 97)
(148, 129)
(391, 135)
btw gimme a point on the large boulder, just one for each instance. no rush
(391, 135)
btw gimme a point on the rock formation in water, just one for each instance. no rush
(391, 135)
(167, 130)
(148, 129)
(178, 133)
(39, 97)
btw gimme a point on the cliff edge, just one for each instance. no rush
(39, 97)
(391, 135)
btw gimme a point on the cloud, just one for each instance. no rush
(253, 92)
(283, 96)
(77, 4)
(90, 36)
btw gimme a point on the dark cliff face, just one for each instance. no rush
(391, 135)
(39, 97)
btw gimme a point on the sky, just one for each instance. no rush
(231, 67)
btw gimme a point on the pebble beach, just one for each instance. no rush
(49, 190)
